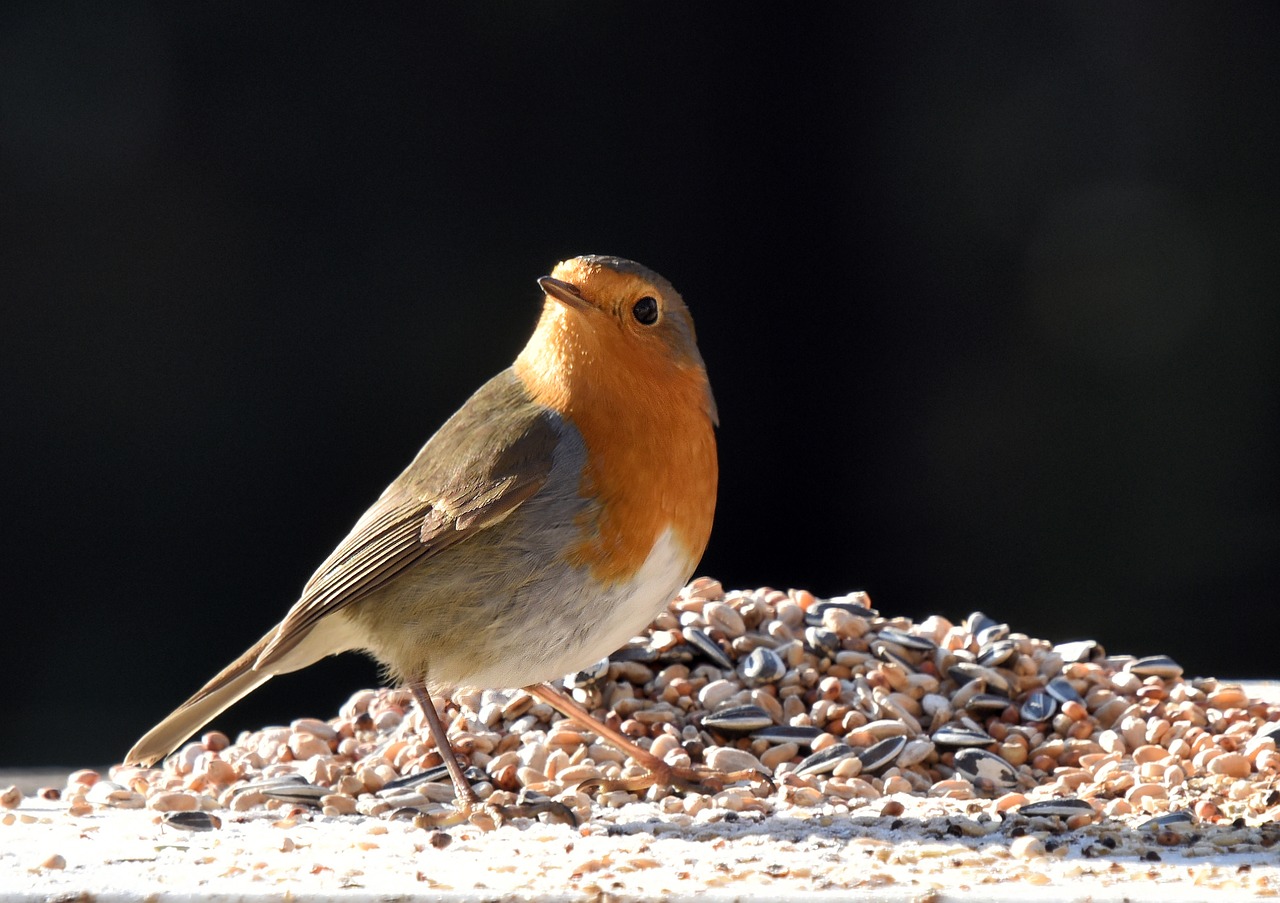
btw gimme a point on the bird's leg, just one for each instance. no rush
(660, 773)
(467, 800)
(470, 806)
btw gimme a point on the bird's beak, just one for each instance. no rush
(565, 293)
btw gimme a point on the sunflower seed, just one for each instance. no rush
(988, 702)
(785, 733)
(1061, 808)
(822, 641)
(1060, 689)
(997, 653)
(988, 773)
(1039, 706)
(762, 666)
(588, 676)
(813, 617)
(431, 775)
(739, 719)
(825, 760)
(635, 653)
(708, 647)
(192, 821)
(886, 652)
(965, 672)
(283, 783)
(298, 793)
(992, 633)
(1179, 820)
(955, 735)
(881, 754)
(1156, 666)
(967, 693)
(907, 640)
(978, 622)
(915, 752)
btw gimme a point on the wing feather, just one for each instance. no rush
(488, 459)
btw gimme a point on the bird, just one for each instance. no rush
(547, 522)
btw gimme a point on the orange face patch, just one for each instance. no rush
(639, 395)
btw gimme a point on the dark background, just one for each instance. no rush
(987, 295)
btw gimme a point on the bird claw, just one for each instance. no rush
(491, 816)
(685, 778)
(555, 811)
(481, 815)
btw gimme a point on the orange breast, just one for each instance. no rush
(649, 438)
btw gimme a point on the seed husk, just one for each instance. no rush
(192, 820)
(708, 647)
(1039, 706)
(1156, 666)
(954, 735)
(785, 733)
(881, 754)
(740, 719)
(1065, 807)
(826, 760)
(1062, 690)
(988, 773)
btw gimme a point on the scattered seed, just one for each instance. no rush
(709, 648)
(1061, 808)
(1156, 666)
(738, 719)
(958, 736)
(752, 681)
(882, 754)
(1061, 690)
(1039, 706)
(988, 773)
(192, 821)
(826, 760)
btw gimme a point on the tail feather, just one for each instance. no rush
(232, 684)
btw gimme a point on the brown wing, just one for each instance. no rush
(487, 459)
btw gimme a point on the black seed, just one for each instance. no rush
(997, 653)
(738, 719)
(192, 821)
(785, 733)
(1156, 666)
(825, 760)
(907, 640)
(708, 647)
(822, 641)
(1060, 689)
(882, 754)
(1062, 808)
(988, 702)
(955, 735)
(1039, 706)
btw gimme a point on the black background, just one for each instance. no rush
(987, 294)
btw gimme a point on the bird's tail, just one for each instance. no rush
(233, 683)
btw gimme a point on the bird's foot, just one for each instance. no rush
(685, 778)
(489, 816)
(657, 773)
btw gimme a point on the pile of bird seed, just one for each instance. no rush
(965, 730)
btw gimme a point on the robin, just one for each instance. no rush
(546, 523)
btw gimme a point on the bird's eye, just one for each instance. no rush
(645, 311)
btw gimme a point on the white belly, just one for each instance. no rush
(592, 622)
